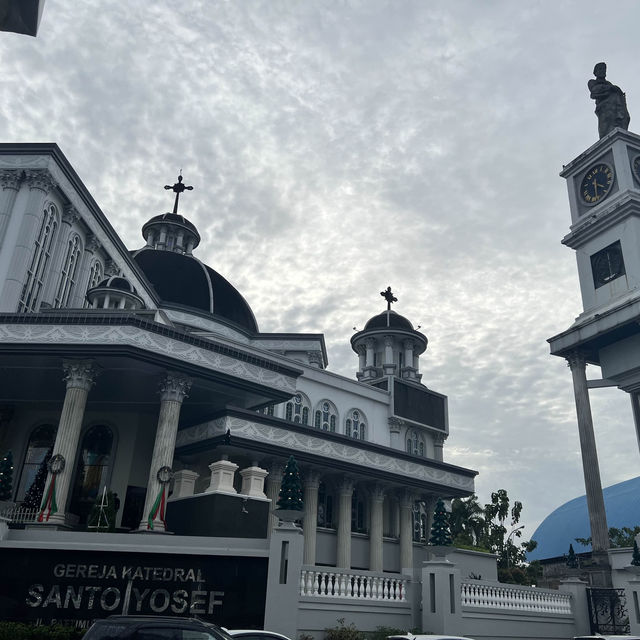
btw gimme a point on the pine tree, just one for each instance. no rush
(33, 497)
(440, 531)
(6, 476)
(102, 517)
(290, 496)
(635, 560)
(572, 558)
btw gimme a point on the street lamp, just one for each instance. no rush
(508, 539)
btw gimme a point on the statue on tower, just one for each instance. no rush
(611, 103)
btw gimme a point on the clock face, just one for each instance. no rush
(597, 183)
(607, 264)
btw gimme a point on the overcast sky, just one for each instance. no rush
(337, 147)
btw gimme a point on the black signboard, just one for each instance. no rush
(77, 587)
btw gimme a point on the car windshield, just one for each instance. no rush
(108, 630)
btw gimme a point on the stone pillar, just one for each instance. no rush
(580, 608)
(79, 376)
(593, 486)
(343, 537)
(395, 424)
(369, 346)
(39, 184)
(406, 532)
(408, 353)
(311, 484)
(274, 481)
(441, 601)
(362, 357)
(174, 387)
(376, 498)
(223, 474)
(438, 445)
(184, 482)
(10, 185)
(389, 365)
(253, 481)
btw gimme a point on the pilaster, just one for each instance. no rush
(311, 485)
(10, 185)
(438, 445)
(376, 499)
(343, 537)
(273, 484)
(406, 532)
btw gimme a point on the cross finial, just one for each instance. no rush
(177, 188)
(389, 297)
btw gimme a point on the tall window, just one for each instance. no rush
(68, 274)
(95, 276)
(297, 409)
(357, 512)
(326, 416)
(420, 533)
(37, 271)
(415, 444)
(325, 506)
(40, 443)
(356, 426)
(93, 469)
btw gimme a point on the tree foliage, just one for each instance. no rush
(493, 527)
(618, 538)
(33, 497)
(290, 496)
(440, 530)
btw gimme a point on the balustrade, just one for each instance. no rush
(356, 586)
(477, 594)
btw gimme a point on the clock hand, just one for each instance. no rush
(595, 186)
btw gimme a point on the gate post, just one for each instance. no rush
(441, 602)
(579, 606)
(632, 588)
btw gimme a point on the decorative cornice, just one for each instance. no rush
(346, 485)
(439, 438)
(395, 424)
(111, 268)
(406, 499)
(10, 179)
(79, 374)
(70, 215)
(311, 479)
(326, 450)
(174, 387)
(315, 358)
(93, 243)
(40, 179)
(377, 492)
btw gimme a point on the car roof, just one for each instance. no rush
(237, 632)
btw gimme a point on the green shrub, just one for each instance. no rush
(344, 632)
(381, 633)
(22, 631)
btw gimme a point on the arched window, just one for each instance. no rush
(356, 425)
(297, 409)
(325, 506)
(68, 273)
(420, 533)
(37, 271)
(415, 443)
(92, 471)
(40, 444)
(95, 276)
(326, 416)
(357, 512)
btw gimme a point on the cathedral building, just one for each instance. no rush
(144, 372)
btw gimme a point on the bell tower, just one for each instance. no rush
(603, 185)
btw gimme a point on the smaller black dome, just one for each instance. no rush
(174, 218)
(388, 319)
(116, 282)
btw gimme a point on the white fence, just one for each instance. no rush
(514, 598)
(358, 586)
(16, 513)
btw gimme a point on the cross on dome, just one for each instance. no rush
(389, 297)
(178, 188)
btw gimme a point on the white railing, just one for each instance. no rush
(17, 513)
(477, 594)
(340, 584)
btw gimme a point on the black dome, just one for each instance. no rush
(388, 319)
(175, 218)
(186, 281)
(116, 282)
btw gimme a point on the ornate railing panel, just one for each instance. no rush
(342, 584)
(477, 594)
(608, 611)
(17, 513)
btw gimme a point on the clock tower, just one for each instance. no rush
(603, 184)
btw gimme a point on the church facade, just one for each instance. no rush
(144, 373)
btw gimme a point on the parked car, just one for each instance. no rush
(153, 628)
(606, 638)
(255, 634)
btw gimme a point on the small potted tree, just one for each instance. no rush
(290, 505)
(440, 542)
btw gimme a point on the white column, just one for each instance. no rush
(343, 537)
(184, 482)
(376, 498)
(310, 522)
(408, 353)
(406, 532)
(389, 366)
(274, 481)
(39, 183)
(369, 346)
(395, 425)
(593, 486)
(438, 445)
(253, 481)
(173, 390)
(635, 408)
(10, 184)
(79, 376)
